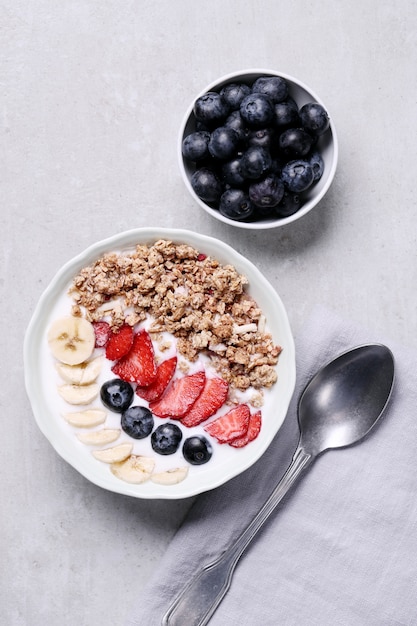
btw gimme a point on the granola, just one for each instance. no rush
(202, 303)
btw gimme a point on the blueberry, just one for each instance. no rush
(257, 110)
(236, 204)
(233, 94)
(210, 108)
(137, 422)
(267, 193)
(197, 450)
(206, 185)
(223, 143)
(166, 438)
(290, 204)
(236, 121)
(316, 161)
(295, 142)
(314, 118)
(195, 145)
(297, 175)
(116, 395)
(274, 87)
(255, 162)
(232, 174)
(286, 115)
(262, 137)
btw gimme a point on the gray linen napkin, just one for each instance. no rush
(341, 549)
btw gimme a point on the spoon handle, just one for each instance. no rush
(197, 602)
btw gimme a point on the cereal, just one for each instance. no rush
(202, 303)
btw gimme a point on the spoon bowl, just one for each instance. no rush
(338, 407)
(344, 400)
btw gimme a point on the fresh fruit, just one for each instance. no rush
(135, 469)
(179, 396)
(138, 365)
(206, 184)
(82, 374)
(116, 395)
(254, 428)
(314, 118)
(71, 339)
(137, 422)
(164, 373)
(267, 193)
(297, 175)
(166, 439)
(236, 204)
(197, 450)
(86, 419)
(102, 332)
(99, 437)
(119, 342)
(289, 204)
(212, 397)
(231, 425)
(251, 132)
(115, 454)
(170, 477)
(78, 394)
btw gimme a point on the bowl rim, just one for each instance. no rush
(262, 224)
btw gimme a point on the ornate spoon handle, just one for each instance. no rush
(200, 598)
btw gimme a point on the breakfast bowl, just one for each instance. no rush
(257, 149)
(164, 285)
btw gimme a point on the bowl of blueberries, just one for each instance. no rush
(257, 149)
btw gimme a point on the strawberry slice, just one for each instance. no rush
(209, 401)
(231, 425)
(138, 365)
(164, 373)
(119, 343)
(255, 423)
(179, 396)
(102, 332)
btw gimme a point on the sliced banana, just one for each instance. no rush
(83, 374)
(99, 437)
(79, 394)
(86, 419)
(135, 469)
(114, 455)
(171, 476)
(71, 339)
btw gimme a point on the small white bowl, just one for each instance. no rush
(327, 146)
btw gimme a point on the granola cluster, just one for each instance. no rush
(202, 303)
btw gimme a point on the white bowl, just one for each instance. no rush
(327, 145)
(41, 376)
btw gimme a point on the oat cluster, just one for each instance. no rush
(202, 303)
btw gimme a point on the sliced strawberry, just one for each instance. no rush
(119, 343)
(231, 425)
(179, 396)
(102, 332)
(209, 401)
(138, 365)
(164, 373)
(255, 423)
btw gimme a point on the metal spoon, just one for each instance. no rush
(338, 408)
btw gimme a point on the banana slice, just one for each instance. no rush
(79, 394)
(82, 374)
(171, 476)
(71, 339)
(99, 437)
(135, 469)
(114, 455)
(86, 419)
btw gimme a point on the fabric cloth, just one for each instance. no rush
(341, 548)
